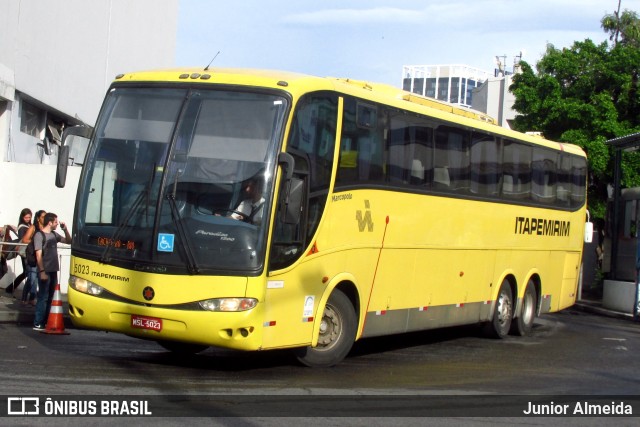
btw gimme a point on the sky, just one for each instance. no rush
(373, 39)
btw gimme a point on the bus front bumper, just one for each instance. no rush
(235, 330)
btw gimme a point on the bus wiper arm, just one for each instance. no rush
(192, 264)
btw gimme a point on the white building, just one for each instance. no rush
(465, 86)
(57, 58)
(494, 99)
(450, 83)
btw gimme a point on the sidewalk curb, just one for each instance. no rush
(594, 308)
(12, 312)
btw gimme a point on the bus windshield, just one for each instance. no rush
(180, 180)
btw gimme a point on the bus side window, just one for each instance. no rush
(451, 159)
(578, 181)
(485, 165)
(516, 171)
(410, 151)
(543, 176)
(362, 145)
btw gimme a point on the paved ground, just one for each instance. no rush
(12, 311)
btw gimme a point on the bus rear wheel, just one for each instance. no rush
(337, 334)
(523, 324)
(500, 324)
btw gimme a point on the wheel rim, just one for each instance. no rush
(527, 308)
(504, 309)
(330, 328)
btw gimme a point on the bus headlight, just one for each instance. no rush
(229, 304)
(85, 286)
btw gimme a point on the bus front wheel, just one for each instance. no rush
(523, 324)
(337, 334)
(500, 324)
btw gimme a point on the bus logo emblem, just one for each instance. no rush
(365, 221)
(165, 242)
(148, 293)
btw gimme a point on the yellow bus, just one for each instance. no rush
(256, 210)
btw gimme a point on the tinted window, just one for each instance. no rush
(516, 171)
(362, 145)
(485, 164)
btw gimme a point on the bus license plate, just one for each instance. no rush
(144, 322)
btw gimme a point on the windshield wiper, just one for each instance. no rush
(192, 265)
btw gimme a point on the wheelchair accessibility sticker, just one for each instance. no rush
(165, 242)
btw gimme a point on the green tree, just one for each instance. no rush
(622, 27)
(585, 95)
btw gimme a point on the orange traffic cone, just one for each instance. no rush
(55, 322)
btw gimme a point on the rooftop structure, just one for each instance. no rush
(449, 83)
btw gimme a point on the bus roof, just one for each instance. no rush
(298, 83)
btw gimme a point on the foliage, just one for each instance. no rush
(622, 28)
(586, 95)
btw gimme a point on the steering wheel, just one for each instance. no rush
(243, 217)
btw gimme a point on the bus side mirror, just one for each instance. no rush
(63, 164)
(293, 190)
(588, 232)
(287, 162)
(63, 154)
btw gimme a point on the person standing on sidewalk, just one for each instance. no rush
(46, 248)
(24, 222)
(30, 287)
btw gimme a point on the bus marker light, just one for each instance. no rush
(314, 249)
(271, 323)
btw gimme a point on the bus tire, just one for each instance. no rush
(500, 323)
(182, 348)
(337, 334)
(523, 324)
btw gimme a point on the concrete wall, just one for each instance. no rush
(61, 56)
(66, 52)
(492, 99)
(619, 296)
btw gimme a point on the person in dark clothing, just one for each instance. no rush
(45, 244)
(31, 285)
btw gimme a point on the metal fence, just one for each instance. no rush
(14, 265)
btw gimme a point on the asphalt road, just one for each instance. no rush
(453, 373)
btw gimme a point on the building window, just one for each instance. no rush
(30, 120)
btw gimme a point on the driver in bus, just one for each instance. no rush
(252, 205)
